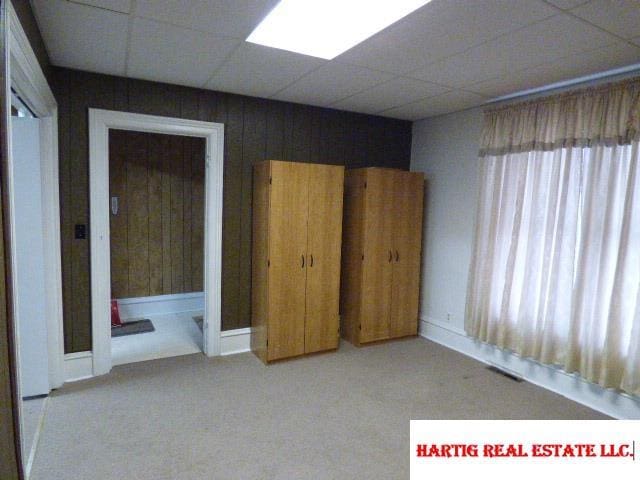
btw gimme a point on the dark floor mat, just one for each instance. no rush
(132, 328)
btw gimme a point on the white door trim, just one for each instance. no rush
(100, 121)
(25, 75)
(29, 81)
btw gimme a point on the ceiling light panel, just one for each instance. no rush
(326, 28)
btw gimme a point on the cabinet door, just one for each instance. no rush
(376, 271)
(324, 238)
(287, 266)
(407, 240)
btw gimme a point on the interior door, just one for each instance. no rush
(378, 257)
(326, 184)
(30, 272)
(407, 241)
(287, 259)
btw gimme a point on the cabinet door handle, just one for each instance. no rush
(390, 256)
(397, 256)
(302, 260)
(311, 264)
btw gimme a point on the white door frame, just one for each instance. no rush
(29, 81)
(25, 75)
(100, 121)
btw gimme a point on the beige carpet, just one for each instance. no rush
(341, 415)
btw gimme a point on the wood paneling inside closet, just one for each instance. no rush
(157, 233)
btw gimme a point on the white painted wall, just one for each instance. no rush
(445, 148)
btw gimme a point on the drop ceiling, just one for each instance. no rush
(446, 56)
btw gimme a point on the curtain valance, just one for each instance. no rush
(606, 115)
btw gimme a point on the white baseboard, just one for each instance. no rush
(78, 366)
(610, 402)
(160, 305)
(235, 341)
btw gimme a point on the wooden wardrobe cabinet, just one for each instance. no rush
(297, 234)
(381, 250)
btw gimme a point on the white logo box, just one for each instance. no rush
(505, 447)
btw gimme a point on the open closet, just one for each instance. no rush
(156, 192)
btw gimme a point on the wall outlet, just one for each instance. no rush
(448, 317)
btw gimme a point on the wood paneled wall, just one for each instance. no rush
(157, 235)
(255, 130)
(10, 457)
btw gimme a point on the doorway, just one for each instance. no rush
(146, 290)
(156, 192)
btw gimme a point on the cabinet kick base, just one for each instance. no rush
(296, 357)
(382, 340)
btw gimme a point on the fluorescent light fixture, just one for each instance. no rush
(326, 28)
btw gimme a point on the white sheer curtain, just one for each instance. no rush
(604, 331)
(555, 273)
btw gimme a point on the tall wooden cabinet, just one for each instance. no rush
(381, 252)
(297, 233)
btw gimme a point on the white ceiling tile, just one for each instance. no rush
(612, 56)
(171, 54)
(617, 55)
(543, 42)
(491, 47)
(234, 18)
(261, 71)
(567, 4)
(386, 54)
(443, 28)
(445, 103)
(122, 6)
(518, 81)
(332, 82)
(393, 93)
(82, 37)
(621, 17)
